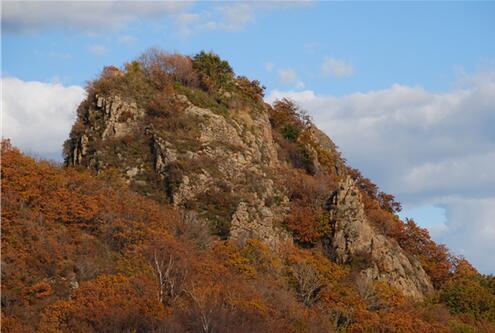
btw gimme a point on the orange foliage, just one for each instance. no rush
(286, 112)
(41, 289)
(110, 303)
(434, 258)
(163, 67)
(61, 226)
(83, 254)
(386, 201)
(304, 224)
(308, 220)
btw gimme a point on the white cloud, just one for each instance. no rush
(230, 16)
(471, 228)
(299, 96)
(269, 66)
(234, 16)
(37, 116)
(336, 67)
(100, 16)
(452, 174)
(424, 147)
(438, 231)
(97, 50)
(288, 76)
(188, 23)
(90, 16)
(126, 39)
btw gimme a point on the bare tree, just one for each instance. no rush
(163, 65)
(206, 306)
(309, 283)
(170, 277)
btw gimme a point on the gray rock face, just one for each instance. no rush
(231, 161)
(232, 157)
(256, 221)
(239, 152)
(80, 150)
(107, 118)
(355, 239)
(119, 116)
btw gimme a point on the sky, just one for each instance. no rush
(405, 89)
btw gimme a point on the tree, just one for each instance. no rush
(162, 67)
(171, 276)
(309, 283)
(212, 70)
(434, 258)
(110, 303)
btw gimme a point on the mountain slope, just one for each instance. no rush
(190, 205)
(84, 254)
(218, 158)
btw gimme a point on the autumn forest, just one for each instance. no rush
(186, 203)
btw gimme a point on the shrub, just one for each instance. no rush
(251, 88)
(213, 72)
(466, 294)
(193, 228)
(110, 303)
(386, 201)
(217, 206)
(309, 282)
(163, 67)
(434, 258)
(307, 224)
(162, 105)
(291, 132)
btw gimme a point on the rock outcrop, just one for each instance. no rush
(226, 161)
(235, 156)
(382, 258)
(105, 118)
(223, 164)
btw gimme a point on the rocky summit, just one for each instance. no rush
(205, 141)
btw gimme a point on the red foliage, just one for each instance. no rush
(386, 201)
(434, 258)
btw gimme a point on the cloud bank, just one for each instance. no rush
(38, 116)
(425, 147)
(111, 15)
(89, 16)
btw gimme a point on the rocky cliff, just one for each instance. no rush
(213, 148)
(224, 169)
(354, 237)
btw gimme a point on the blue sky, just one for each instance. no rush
(408, 43)
(405, 89)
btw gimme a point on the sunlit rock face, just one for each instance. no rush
(355, 239)
(223, 164)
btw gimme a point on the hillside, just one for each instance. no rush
(188, 204)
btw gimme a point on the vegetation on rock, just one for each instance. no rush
(187, 204)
